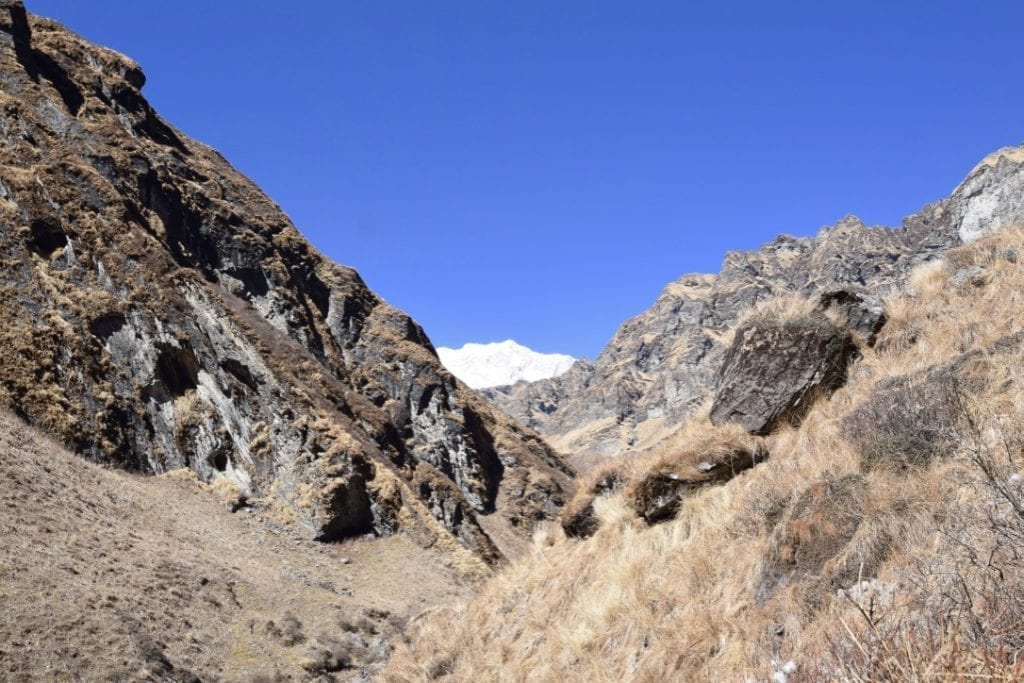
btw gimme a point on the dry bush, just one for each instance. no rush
(288, 632)
(578, 518)
(959, 610)
(655, 482)
(907, 421)
(228, 491)
(782, 309)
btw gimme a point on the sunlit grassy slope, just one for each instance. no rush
(883, 538)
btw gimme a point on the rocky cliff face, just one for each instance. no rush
(661, 366)
(161, 312)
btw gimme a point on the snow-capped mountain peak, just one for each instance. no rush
(500, 363)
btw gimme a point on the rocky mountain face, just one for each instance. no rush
(161, 312)
(662, 365)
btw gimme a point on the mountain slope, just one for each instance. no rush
(500, 363)
(876, 534)
(660, 366)
(161, 312)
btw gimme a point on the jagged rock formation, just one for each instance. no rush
(161, 312)
(662, 365)
(774, 370)
(857, 311)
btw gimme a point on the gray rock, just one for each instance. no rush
(776, 369)
(991, 197)
(858, 311)
(972, 275)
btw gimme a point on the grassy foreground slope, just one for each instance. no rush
(882, 539)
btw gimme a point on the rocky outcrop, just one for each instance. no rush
(657, 496)
(775, 369)
(579, 519)
(991, 197)
(663, 364)
(161, 312)
(857, 311)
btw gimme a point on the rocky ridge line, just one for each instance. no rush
(661, 366)
(161, 312)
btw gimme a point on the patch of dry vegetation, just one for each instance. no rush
(883, 539)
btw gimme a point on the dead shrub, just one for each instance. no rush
(288, 633)
(578, 517)
(959, 607)
(907, 421)
(326, 655)
(821, 523)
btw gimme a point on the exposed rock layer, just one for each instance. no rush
(161, 312)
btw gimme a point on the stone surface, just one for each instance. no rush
(579, 519)
(991, 197)
(973, 275)
(657, 496)
(161, 312)
(776, 369)
(661, 365)
(857, 311)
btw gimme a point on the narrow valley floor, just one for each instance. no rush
(128, 577)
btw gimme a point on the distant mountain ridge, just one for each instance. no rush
(659, 367)
(501, 363)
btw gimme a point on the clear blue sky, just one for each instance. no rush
(541, 169)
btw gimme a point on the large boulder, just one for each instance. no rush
(776, 368)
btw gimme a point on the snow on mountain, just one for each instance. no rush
(500, 363)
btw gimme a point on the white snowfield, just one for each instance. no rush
(500, 363)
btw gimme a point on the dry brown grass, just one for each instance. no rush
(851, 572)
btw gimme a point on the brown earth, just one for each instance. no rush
(106, 575)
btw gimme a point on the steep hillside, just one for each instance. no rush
(661, 366)
(843, 507)
(161, 312)
(106, 575)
